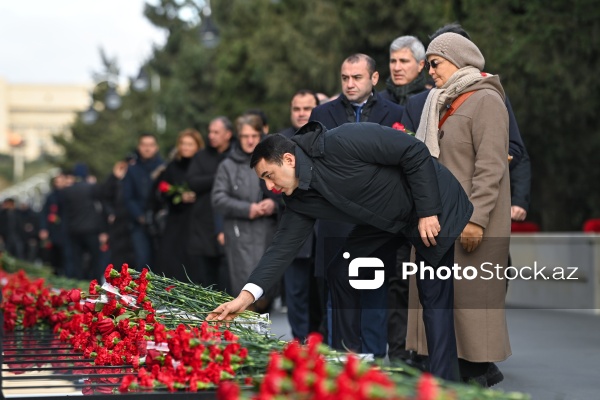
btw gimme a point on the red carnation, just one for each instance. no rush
(228, 391)
(74, 296)
(426, 387)
(398, 126)
(106, 326)
(164, 186)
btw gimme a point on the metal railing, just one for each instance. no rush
(32, 191)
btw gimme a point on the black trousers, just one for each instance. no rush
(398, 307)
(79, 244)
(436, 296)
(302, 298)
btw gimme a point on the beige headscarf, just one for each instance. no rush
(463, 53)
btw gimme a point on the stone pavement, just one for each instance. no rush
(556, 353)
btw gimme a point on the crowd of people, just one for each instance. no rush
(350, 180)
(341, 179)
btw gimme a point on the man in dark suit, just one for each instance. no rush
(399, 193)
(357, 103)
(301, 291)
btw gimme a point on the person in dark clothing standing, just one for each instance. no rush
(407, 78)
(84, 217)
(357, 103)
(31, 229)
(136, 191)
(119, 235)
(520, 175)
(173, 258)
(399, 193)
(206, 253)
(53, 233)
(302, 297)
(11, 229)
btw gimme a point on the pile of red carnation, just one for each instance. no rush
(115, 324)
(198, 358)
(302, 372)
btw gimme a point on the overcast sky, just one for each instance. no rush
(57, 41)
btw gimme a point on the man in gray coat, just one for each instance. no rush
(398, 193)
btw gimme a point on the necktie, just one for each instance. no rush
(357, 111)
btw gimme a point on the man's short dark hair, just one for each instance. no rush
(371, 65)
(452, 28)
(271, 149)
(307, 92)
(146, 135)
(225, 121)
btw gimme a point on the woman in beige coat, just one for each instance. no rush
(471, 140)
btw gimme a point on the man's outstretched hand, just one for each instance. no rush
(228, 311)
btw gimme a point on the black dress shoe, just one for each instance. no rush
(493, 376)
(419, 362)
(400, 355)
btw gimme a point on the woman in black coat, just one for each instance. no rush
(173, 190)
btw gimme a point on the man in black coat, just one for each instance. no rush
(85, 220)
(137, 187)
(302, 296)
(398, 193)
(12, 237)
(203, 246)
(358, 103)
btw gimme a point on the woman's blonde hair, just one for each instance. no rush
(192, 133)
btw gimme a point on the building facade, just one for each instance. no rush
(30, 114)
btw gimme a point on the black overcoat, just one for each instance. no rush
(368, 175)
(201, 177)
(333, 114)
